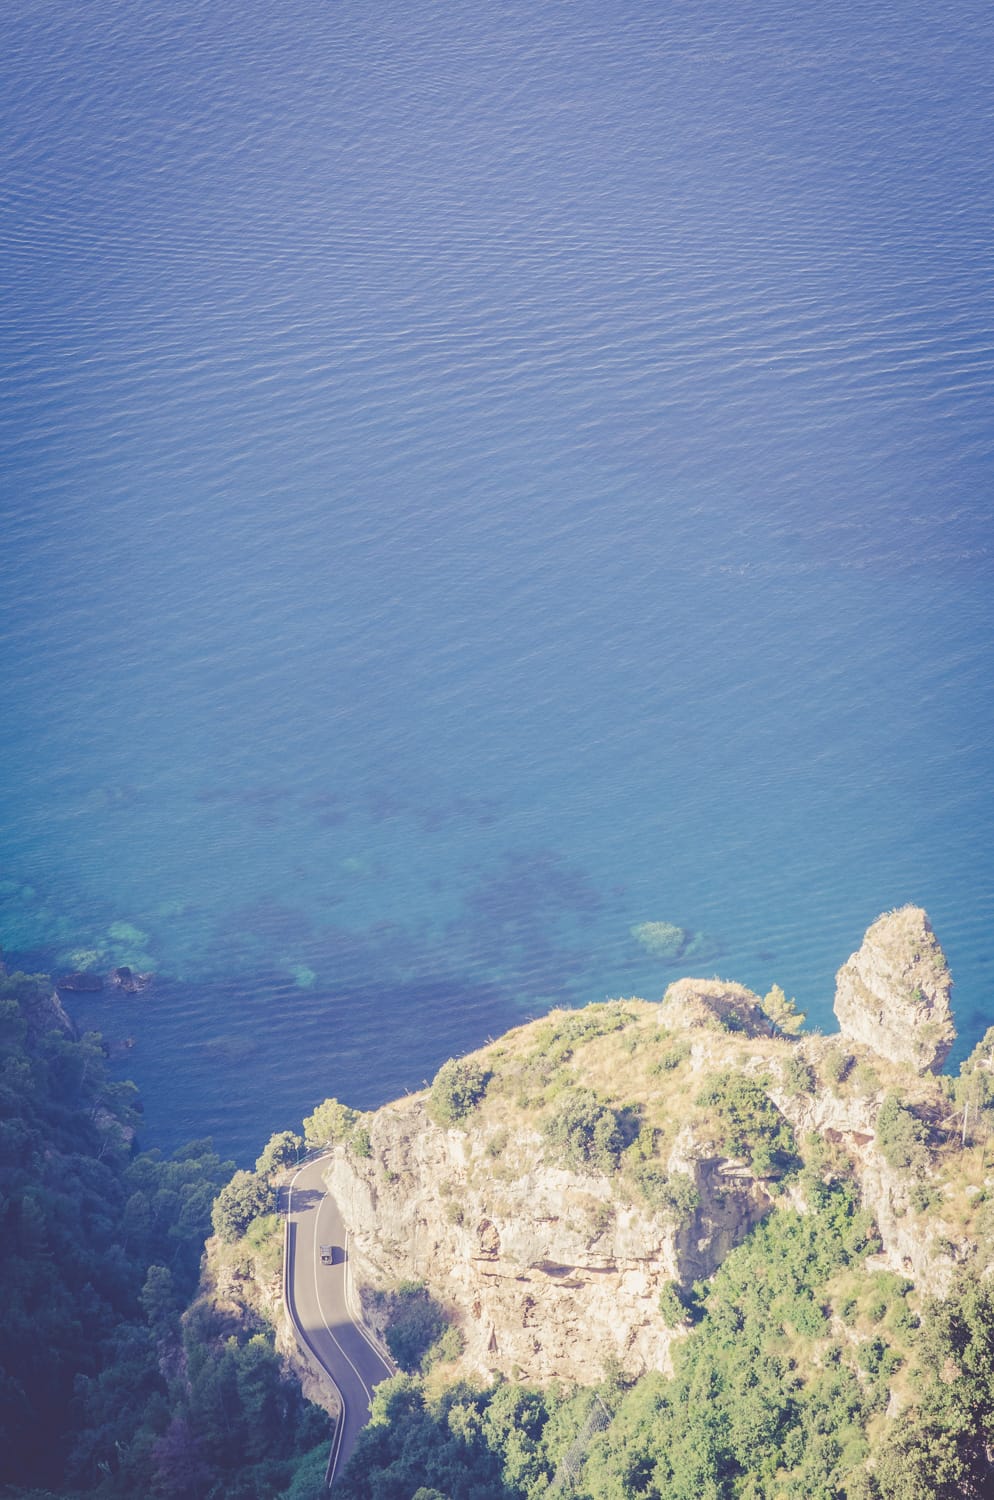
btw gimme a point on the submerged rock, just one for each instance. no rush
(665, 940)
(83, 982)
(661, 939)
(893, 994)
(124, 932)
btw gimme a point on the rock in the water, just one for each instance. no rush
(893, 995)
(80, 983)
(709, 1002)
(127, 980)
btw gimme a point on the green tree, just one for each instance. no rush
(415, 1323)
(748, 1123)
(281, 1150)
(782, 1012)
(330, 1122)
(244, 1199)
(159, 1297)
(456, 1090)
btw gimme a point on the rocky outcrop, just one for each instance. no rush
(125, 978)
(910, 1245)
(555, 1271)
(893, 994)
(689, 1003)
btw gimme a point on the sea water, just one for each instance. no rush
(477, 480)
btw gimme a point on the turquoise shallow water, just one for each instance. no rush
(473, 483)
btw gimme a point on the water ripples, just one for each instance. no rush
(405, 406)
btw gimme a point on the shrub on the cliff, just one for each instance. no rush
(798, 1077)
(836, 1064)
(585, 1133)
(748, 1123)
(245, 1197)
(901, 1137)
(677, 1052)
(865, 1080)
(447, 1347)
(457, 1089)
(671, 1307)
(415, 1325)
(670, 1193)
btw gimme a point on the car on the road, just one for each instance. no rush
(329, 1254)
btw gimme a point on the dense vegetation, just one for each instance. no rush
(419, 1333)
(107, 1388)
(778, 1392)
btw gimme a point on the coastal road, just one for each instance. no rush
(318, 1304)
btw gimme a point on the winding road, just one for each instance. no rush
(317, 1299)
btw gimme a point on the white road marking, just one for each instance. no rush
(356, 1323)
(324, 1320)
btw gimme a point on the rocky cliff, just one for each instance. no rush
(609, 1153)
(893, 993)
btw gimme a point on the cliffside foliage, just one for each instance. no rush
(463, 1442)
(419, 1334)
(779, 1391)
(902, 1137)
(584, 1133)
(748, 1123)
(457, 1089)
(333, 1121)
(106, 1388)
(672, 1194)
(243, 1199)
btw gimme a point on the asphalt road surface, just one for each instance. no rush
(318, 1306)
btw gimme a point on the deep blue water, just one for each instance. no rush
(476, 479)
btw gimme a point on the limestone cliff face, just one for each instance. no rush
(893, 994)
(547, 1273)
(544, 1276)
